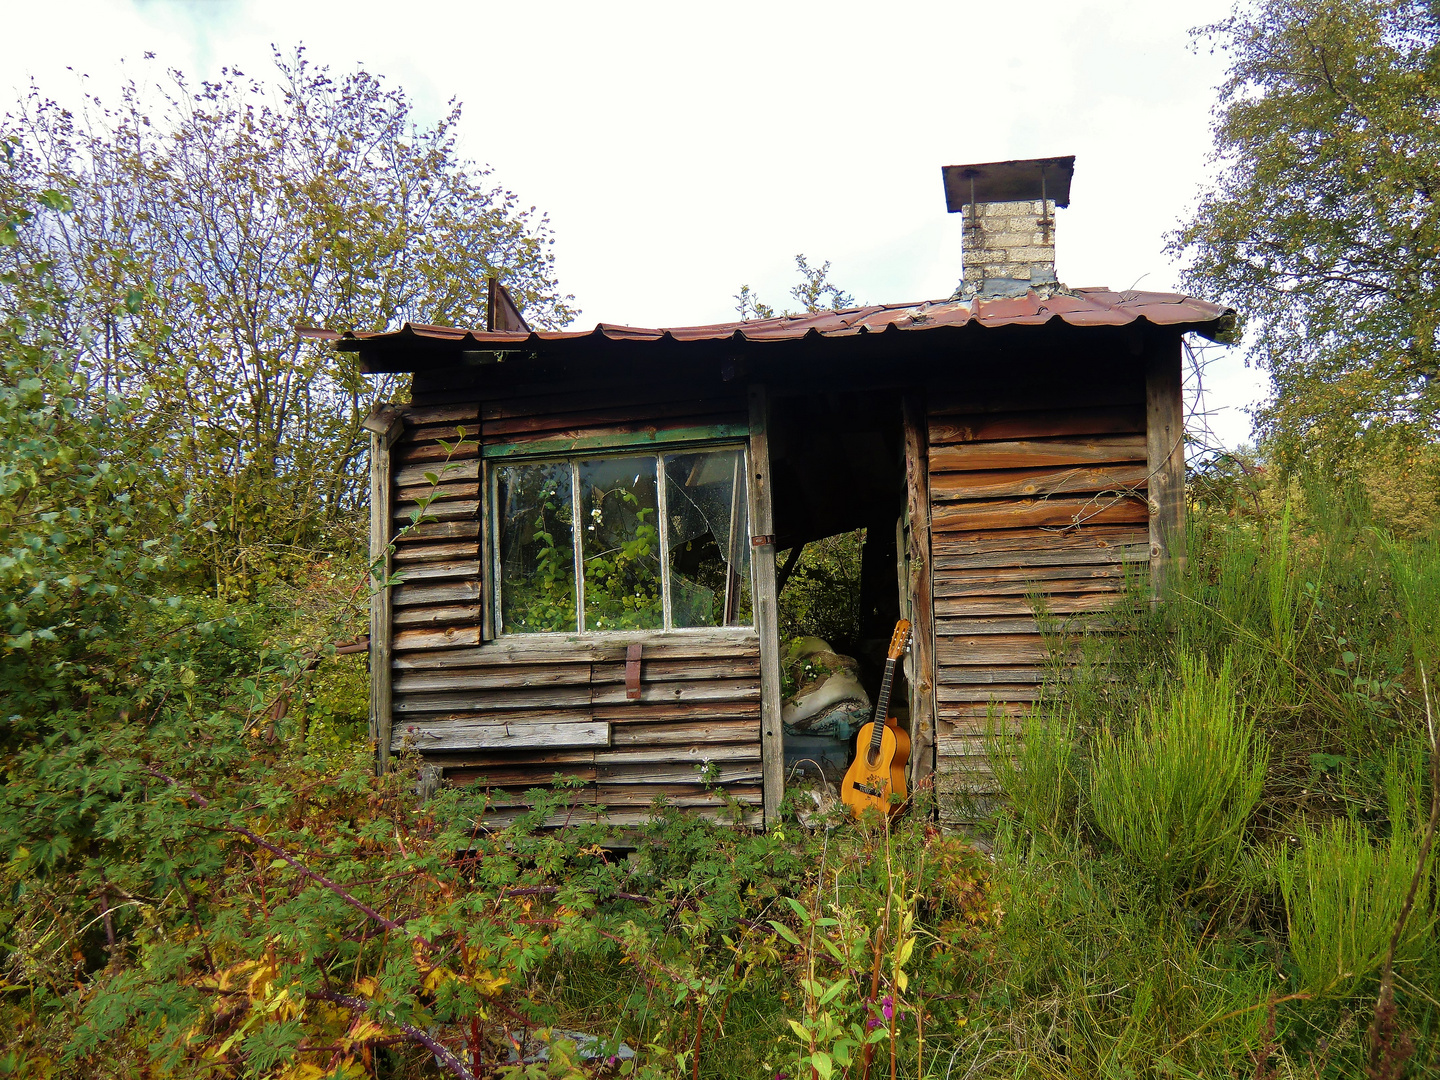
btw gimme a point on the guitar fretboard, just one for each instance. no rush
(882, 706)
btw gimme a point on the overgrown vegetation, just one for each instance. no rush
(1214, 859)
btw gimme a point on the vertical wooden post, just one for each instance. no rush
(384, 425)
(767, 617)
(917, 559)
(1165, 459)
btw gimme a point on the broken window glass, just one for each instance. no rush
(534, 512)
(707, 539)
(620, 543)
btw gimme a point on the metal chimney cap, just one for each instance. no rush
(1008, 181)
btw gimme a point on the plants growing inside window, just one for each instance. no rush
(615, 517)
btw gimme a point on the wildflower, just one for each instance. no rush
(887, 1006)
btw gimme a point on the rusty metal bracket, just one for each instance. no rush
(762, 540)
(632, 672)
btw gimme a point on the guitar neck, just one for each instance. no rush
(882, 705)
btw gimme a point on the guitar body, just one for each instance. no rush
(875, 775)
(881, 748)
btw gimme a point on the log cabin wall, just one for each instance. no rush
(512, 710)
(1039, 488)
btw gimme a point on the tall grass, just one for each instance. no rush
(1038, 766)
(1175, 791)
(1343, 893)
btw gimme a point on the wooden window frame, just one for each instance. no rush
(492, 610)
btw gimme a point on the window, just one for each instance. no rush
(661, 542)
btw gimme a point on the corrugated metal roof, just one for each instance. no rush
(1075, 307)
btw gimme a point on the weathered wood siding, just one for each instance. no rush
(1036, 491)
(512, 712)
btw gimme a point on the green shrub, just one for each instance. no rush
(1343, 894)
(1174, 793)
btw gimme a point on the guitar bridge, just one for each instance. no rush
(869, 789)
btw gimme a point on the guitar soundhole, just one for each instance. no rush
(872, 758)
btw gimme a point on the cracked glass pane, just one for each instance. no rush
(708, 539)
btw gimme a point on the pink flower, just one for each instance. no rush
(887, 1006)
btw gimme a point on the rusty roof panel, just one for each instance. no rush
(1074, 307)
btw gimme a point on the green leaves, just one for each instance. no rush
(1322, 226)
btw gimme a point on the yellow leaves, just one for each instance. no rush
(363, 1030)
(305, 1070)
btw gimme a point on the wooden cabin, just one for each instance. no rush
(594, 590)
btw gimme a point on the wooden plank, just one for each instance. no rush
(440, 530)
(681, 692)
(1069, 622)
(703, 733)
(513, 717)
(435, 433)
(443, 593)
(439, 571)
(998, 693)
(1037, 453)
(639, 436)
(962, 746)
(463, 735)
(381, 626)
(440, 510)
(729, 772)
(447, 637)
(990, 649)
(952, 627)
(919, 584)
(1059, 512)
(490, 678)
(1093, 420)
(1021, 582)
(430, 452)
(960, 675)
(1018, 483)
(1020, 605)
(1165, 455)
(447, 489)
(438, 616)
(762, 569)
(670, 670)
(518, 778)
(1109, 555)
(464, 705)
(682, 796)
(659, 645)
(1090, 538)
(456, 470)
(610, 647)
(649, 756)
(650, 712)
(447, 552)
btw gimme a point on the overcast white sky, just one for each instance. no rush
(682, 149)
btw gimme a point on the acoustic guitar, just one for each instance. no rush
(881, 748)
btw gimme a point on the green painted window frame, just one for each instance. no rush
(579, 450)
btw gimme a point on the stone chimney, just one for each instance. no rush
(1009, 209)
